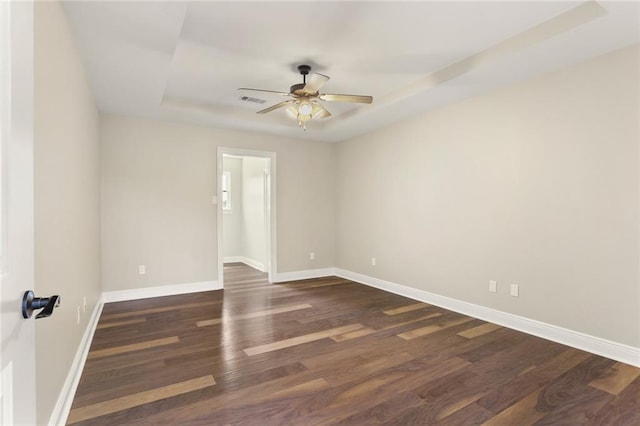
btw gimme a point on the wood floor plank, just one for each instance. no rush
(445, 396)
(299, 340)
(256, 314)
(403, 309)
(349, 373)
(458, 405)
(568, 399)
(96, 410)
(310, 386)
(120, 323)
(521, 413)
(479, 330)
(133, 347)
(423, 331)
(267, 286)
(247, 399)
(353, 334)
(411, 321)
(617, 379)
(624, 409)
(385, 412)
(472, 414)
(364, 394)
(125, 381)
(319, 285)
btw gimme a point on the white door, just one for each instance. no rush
(17, 355)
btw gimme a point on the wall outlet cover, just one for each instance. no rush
(515, 290)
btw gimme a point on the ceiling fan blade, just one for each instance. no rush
(266, 91)
(276, 106)
(346, 98)
(315, 82)
(319, 111)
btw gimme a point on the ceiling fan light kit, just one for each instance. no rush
(305, 107)
(305, 104)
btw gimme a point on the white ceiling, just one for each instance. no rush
(183, 61)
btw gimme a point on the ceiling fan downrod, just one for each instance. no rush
(304, 70)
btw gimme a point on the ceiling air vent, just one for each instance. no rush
(254, 100)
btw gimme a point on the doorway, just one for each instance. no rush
(246, 210)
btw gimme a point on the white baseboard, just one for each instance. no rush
(254, 264)
(247, 261)
(304, 275)
(617, 351)
(68, 392)
(159, 291)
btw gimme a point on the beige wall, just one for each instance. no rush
(232, 221)
(67, 211)
(535, 184)
(157, 182)
(253, 209)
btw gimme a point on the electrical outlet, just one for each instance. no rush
(142, 269)
(493, 286)
(312, 256)
(78, 316)
(84, 304)
(515, 290)
(373, 261)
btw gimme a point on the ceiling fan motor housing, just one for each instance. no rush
(297, 88)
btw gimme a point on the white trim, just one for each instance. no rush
(617, 351)
(68, 391)
(159, 291)
(254, 264)
(304, 275)
(233, 259)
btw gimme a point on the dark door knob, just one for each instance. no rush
(31, 303)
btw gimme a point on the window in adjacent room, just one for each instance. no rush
(226, 192)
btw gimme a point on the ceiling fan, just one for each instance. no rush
(305, 104)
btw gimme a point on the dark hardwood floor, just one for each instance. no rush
(330, 351)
